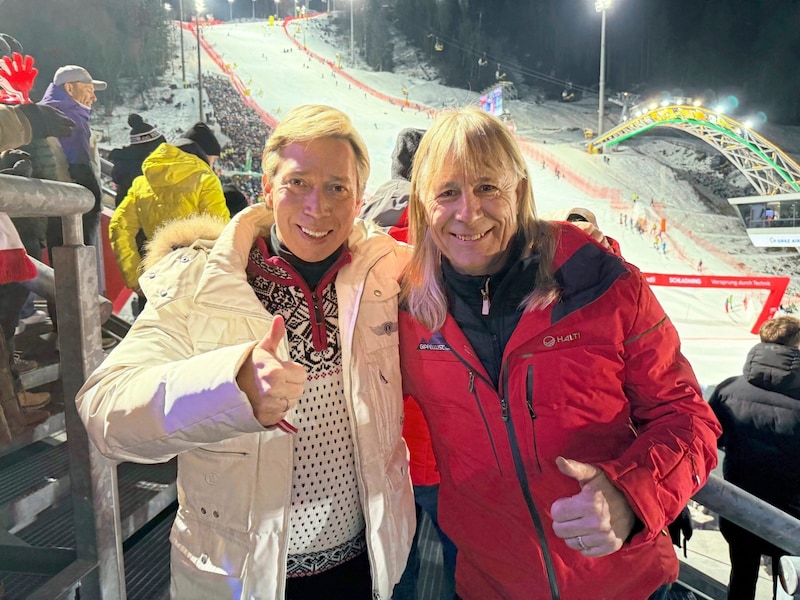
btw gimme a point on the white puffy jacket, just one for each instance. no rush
(170, 389)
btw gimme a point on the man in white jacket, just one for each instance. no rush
(267, 361)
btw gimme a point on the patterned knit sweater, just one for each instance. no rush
(326, 520)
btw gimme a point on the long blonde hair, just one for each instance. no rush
(476, 140)
(308, 122)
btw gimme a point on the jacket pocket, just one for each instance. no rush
(206, 563)
(384, 394)
(216, 484)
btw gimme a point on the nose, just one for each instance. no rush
(316, 205)
(468, 207)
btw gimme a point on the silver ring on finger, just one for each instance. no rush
(583, 547)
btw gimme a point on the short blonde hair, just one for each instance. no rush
(308, 122)
(476, 140)
(781, 330)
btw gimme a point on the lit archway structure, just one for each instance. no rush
(768, 169)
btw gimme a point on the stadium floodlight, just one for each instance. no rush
(602, 6)
(167, 6)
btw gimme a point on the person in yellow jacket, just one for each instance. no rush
(177, 182)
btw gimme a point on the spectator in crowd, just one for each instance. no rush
(585, 220)
(267, 361)
(17, 78)
(760, 416)
(177, 182)
(246, 131)
(235, 200)
(128, 160)
(18, 126)
(73, 93)
(388, 207)
(568, 428)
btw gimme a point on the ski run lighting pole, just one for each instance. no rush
(602, 6)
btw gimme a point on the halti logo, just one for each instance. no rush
(435, 343)
(550, 341)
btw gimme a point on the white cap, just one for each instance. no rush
(76, 74)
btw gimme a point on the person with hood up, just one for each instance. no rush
(177, 182)
(388, 206)
(760, 416)
(128, 160)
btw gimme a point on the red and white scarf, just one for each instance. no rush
(15, 264)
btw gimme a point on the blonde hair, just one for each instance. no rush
(476, 140)
(781, 330)
(308, 122)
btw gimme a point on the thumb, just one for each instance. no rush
(272, 340)
(583, 473)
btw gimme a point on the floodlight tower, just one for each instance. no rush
(602, 6)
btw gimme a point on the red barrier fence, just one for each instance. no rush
(776, 286)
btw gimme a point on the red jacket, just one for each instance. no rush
(421, 463)
(582, 379)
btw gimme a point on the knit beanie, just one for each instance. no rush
(404, 150)
(204, 137)
(142, 132)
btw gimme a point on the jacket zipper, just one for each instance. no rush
(319, 321)
(695, 476)
(485, 297)
(471, 389)
(529, 402)
(522, 477)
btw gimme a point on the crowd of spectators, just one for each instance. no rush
(247, 134)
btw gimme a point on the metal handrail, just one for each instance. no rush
(751, 512)
(98, 566)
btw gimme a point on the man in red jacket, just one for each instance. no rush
(568, 428)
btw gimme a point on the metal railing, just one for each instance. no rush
(95, 564)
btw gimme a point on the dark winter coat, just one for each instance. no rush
(760, 416)
(128, 165)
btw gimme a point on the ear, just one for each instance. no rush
(265, 185)
(521, 188)
(359, 204)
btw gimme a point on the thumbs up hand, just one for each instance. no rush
(597, 520)
(272, 385)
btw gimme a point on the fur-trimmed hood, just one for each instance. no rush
(181, 233)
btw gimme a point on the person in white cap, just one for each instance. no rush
(73, 93)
